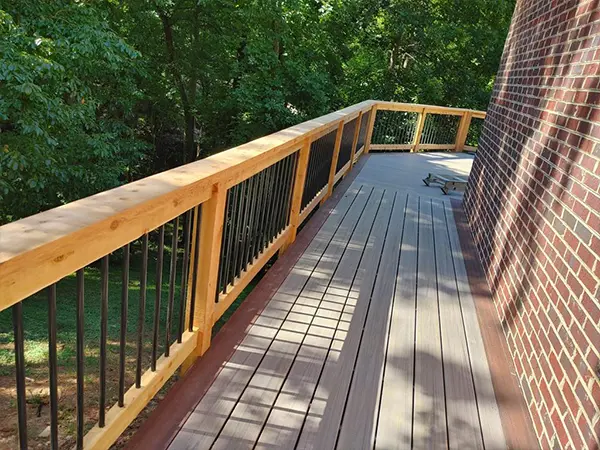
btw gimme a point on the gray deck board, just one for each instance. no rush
(461, 404)
(429, 414)
(358, 426)
(394, 430)
(372, 341)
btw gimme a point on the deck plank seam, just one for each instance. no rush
(311, 322)
(330, 239)
(299, 295)
(387, 341)
(364, 251)
(412, 422)
(437, 294)
(469, 350)
(365, 321)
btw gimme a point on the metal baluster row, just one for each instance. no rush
(319, 165)
(346, 144)
(362, 134)
(256, 211)
(175, 269)
(394, 127)
(440, 129)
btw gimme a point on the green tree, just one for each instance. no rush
(67, 90)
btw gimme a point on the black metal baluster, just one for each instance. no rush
(291, 181)
(172, 281)
(195, 268)
(268, 199)
(260, 214)
(123, 336)
(251, 222)
(271, 226)
(80, 357)
(247, 213)
(282, 199)
(103, 339)
(184, 272)
(159, 267)
(52, 369)
(238, 231)
(222, 281)
(142, 312)
(17, 317)
(284, 195)
(233, 214)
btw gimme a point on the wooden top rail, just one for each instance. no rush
(430, 109)
(41, 249)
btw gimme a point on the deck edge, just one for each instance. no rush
(162, 425)
(516, 421)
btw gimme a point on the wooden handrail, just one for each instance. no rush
(40, 250)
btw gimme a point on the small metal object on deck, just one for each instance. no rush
(448, 182)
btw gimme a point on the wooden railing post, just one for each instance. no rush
(463, 131)
(334, 160)
(419, 130)
(298, 192)
(355, 140)
(370, 127)
(209, 251)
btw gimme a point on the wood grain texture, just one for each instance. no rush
(322, 423)
(288, 413)
(394, 430)
(461, 402)
(360, 418)
(429, 416)
(489, 415)
(41, 249)
(204, 424)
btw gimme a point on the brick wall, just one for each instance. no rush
(533, 202)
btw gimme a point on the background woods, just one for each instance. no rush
(97, 93)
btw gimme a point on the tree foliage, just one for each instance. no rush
(97, 93)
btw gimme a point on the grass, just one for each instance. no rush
(35, 318)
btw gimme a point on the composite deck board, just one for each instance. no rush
(461, 404)
(362, 408)
(429, 413)
(320, 430)
(246, 419)
(290, 408)
(489, 415)
(371, 341)
(212, 412)
(394, 427)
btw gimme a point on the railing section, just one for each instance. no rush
(146, 270)
(409, 127)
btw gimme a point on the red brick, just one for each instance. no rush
(534, 197)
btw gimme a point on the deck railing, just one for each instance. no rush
(201, 233)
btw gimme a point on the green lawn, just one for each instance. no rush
(35, 313)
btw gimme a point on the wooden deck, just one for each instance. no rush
(371, 341)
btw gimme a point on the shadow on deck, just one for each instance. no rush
(368, 333)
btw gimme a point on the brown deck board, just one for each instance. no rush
(288, 413)
(429, 414)
(461, 404)
(322, 423)
(394, 429)
(371, 341)
(359, 422)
